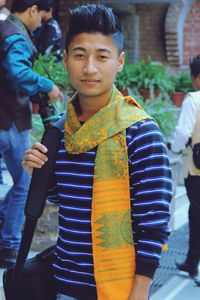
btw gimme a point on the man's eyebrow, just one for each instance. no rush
(79, 48)
(104, 50)
(98, 50)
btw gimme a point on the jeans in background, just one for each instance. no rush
(13, 144)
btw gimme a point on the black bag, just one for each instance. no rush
(36, 280)
(196, 155)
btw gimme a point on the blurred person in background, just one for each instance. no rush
(186, 135)
(48, 37)
(17, 83)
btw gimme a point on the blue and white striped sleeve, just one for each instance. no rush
(151, 192)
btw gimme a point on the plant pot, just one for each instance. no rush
(177, 98)
(145, 93)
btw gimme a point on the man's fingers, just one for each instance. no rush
(35, 157)
(30, 165)
(40, 147)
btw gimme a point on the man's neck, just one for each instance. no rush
(86, 107)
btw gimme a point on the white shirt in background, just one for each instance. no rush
(185, 125)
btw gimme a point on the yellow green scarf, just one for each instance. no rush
(112, 234)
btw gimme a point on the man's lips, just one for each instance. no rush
(90, 80)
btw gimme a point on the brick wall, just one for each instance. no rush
(151, 30)
(191, 44)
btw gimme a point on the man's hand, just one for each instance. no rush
(34, 157)
(55, 93)
(140, 289)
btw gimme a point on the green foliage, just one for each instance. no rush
(126, 78)
(165, 113)
(55, 68)
(152, 75)
(182, 82)
(162, 110)
(148, 75)
(37, 129)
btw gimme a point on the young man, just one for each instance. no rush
(189, 128)
(112, 177)
(17, 83)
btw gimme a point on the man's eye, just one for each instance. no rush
(103, 57)
(79, 55)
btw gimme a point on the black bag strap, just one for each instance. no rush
(38, 189)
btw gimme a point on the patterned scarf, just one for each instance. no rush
(112, 233)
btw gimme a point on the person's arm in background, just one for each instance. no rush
(19, 69)
(185, 125)
(151, 192)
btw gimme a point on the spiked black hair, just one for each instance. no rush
(195, 66)
(93, 18)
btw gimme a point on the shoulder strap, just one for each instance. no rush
(36, 198)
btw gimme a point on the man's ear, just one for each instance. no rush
(121, 61)
(32, 9)
(65, 59)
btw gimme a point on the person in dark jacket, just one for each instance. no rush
(48, 37)
(17, 83)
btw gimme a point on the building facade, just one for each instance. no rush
(165, 30)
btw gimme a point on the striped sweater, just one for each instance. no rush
(150, 195)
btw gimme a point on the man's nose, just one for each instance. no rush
(90, 66)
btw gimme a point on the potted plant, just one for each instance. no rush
(151, 79)
(182, 85)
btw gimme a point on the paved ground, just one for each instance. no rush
(169, 284)
(178, 286)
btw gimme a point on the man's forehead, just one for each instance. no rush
(95, 41)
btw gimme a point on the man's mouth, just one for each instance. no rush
(90, 80)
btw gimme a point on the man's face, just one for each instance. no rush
(196, 82)
(92, 62)
(46, 15)
(35, 17)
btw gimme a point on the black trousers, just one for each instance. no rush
(192, 184)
